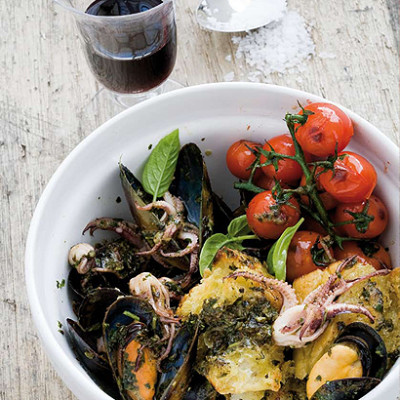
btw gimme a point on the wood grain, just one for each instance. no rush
(48, 104)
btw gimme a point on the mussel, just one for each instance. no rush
(148, 221)
(353, 366)
(135, 194)
(177, 368)
(95, 364)
(93, 308)
(130, 326)
(132, 333)
(192, 185)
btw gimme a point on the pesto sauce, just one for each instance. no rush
(245, 322)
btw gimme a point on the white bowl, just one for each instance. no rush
(86, 185)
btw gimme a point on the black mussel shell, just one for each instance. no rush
(193, 186)
(223, 215)
(345, 389)
(80, 285)
(135, 194)
(177, 368)
(200, 389)
(371, 348)
(128, 309)
(148, 221)
(95, 364)
(130, 325)
(94, 306)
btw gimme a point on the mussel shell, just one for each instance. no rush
(96, 365)
(80, 285)
(135, 194)
(177, 368)
(148, 221)
(200, 389)
(128, 319)
(119, 314)
(94, 306)
(223, 215)
(192, 185)
(345, 389)
(371, 347)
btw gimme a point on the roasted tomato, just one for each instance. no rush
(327, 199)
(265, 182)
(373, 225)
(370, 252)
(353, 180)
(289, 171)
(299, 259)
(326, 127)
(267, 219)
(239, 158)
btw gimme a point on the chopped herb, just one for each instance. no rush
(131, 315)
(118, 200)
(60, 325)
(318, 378)
(208, 153)
(378, 307)
(150, 146)
(60, 284)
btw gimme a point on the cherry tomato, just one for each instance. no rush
(289, 171)
(267, 219)
(326, 127)
(354, 179)
(299, 259)
(310, 224)
(239, 158)
(371, 253)
(327, 199)
(265, 182)
(376, 209)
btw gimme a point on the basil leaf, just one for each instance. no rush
(210, 250)
(269, 259)
(239, 227)
(216, 242)
(277, 255)
(160, 166)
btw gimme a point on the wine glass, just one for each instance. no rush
(133, 54)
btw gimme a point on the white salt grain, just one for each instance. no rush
(229, 76)
(228, 58)
(280, 47)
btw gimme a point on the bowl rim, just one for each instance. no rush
(76, 379)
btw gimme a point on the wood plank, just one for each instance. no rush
(48, 105)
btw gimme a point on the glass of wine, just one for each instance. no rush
(130, 45)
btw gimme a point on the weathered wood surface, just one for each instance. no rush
(48, 104)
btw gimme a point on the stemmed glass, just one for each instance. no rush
(131, 55)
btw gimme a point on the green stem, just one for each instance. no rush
(251, 187)
(312, 191)
(245, 237)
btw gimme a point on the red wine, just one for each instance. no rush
(120, 7)
(137, 59)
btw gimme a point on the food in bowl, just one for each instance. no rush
(195, 301)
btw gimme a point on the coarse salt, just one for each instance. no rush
(279, 47)
(229, 77)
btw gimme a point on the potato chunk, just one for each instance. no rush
(381, 295)
(246, 362)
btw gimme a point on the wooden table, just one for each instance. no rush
(48, 105)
